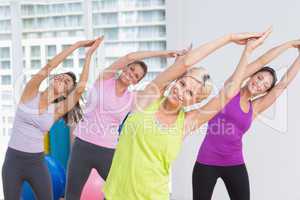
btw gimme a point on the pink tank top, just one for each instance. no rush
(103, 114)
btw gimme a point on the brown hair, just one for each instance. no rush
(143, 66)
(76, 113)
(270, 71)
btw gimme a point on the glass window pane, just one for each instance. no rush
(28, 23)
(5, 25)
(81, 62)
(4, 53)
(51, 50)
(68, 63)
(5, 79)
(4, 11)
(27, 10)
(74, 7)
(35, 51)
(5, 65)
(35, 64)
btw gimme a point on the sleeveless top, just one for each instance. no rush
(142, 160)
(104, 113)
(29, 126)
(222, 145)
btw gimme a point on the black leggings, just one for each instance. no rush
(84, 157)
(21, 166)
(235, 178)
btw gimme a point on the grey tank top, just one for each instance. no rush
(29, 126)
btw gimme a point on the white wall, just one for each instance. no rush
(271, 146)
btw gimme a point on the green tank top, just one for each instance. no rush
(141, 165)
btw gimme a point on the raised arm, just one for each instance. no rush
(32, 87)
(131, 57)
(266, 101)
(66, 105)
(194, 56)
(232, 86)
(269, 56)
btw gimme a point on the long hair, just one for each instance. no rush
(76, 113)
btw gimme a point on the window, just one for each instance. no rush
(58, 8)
(74, 21)
(5, 65)
(152, 31)
(6, 95)
(47, 34)
(4, 53)
(105, 19)
(35, 51)
(109, 33)
(27, 10)
(5, 79)
(65, 46)
(5, 25)
(81, 52)
(59, 22)
(74, 7)
(35, 64)
(152, 46)
(68, 63)
(28, 24)
(147, 3)
(51, 50)
(103, 4)
(81, 62)
(4, 11)
(151, 16)
(128, 3)
(42, 9)
(44, 23)
(128, 33)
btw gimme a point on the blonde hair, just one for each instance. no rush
(201, 75)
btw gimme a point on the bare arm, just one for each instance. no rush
(66, 105)
(183, 63)
(266, 101)
(157, 87)
(131, 57)
(32, 87)
(196, 55)
(231, 87)
(267, 58)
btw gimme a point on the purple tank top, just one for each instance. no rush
(30, 127)
(222, 145)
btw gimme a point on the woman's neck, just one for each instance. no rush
(169, 108)
(120, 87)
(245, 94)
(48, 96)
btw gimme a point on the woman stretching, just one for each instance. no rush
(36, 112)
(107, 105)
(220, 155)
(152, 134)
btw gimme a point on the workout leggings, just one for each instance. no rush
(21, 166)
(235, 178)
(86, 156)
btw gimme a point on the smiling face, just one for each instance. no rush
(186, 91)
(260, 83)
(132, 74)
(62, 84)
